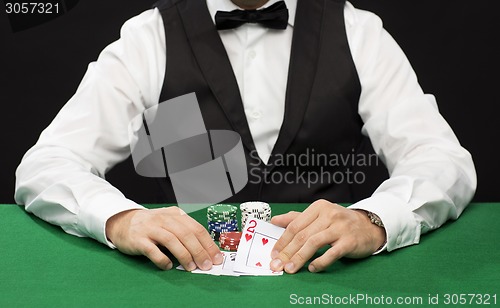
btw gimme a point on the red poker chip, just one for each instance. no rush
(233, 236)
(230, 248)
(230, 240)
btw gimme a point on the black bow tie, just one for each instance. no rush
(273, 17)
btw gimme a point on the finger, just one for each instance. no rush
(185, 235)
(153, 253)
(284, 219)
(170, 241)
(334, 253)
(200, 233)
(305, 244)
(299, 223)
(302, 247)
(205, 240)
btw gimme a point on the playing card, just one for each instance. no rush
(223, 269)
(254, 251)
(228, 264)
(261, 256)
(215, 270)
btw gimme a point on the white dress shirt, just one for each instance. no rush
(432, 178)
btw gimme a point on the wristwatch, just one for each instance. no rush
(375, 219)
(378, 222)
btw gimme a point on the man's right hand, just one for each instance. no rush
(140, 232)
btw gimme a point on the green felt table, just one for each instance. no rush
(41, 266)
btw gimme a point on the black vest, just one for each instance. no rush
(320, 141)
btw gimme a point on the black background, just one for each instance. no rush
(452, 46)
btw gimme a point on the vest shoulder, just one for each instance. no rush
(165, 4)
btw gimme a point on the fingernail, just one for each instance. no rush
(218, 258)
(169, 266)
(206, 265)
(274, 253)
(311, 268)
(277, 265)
(191, 266)
(289, 267)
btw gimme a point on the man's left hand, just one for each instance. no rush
(350, 233)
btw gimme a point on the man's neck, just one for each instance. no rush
(249, 4)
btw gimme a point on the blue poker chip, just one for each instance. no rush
(222, 224)
(225, 229)
(222, 228)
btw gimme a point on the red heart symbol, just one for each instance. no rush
(248, 237)
(264, 241)
(258, 264)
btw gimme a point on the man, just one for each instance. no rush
(323, 80)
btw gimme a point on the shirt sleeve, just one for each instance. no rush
(432, 177)
(61, 178)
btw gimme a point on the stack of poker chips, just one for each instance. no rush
(221, 218)
(254, 209)
(229, 240)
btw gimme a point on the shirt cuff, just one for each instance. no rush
(383, 248)
(401, 227)
(92, 218)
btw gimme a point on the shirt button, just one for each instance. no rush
(256, 114)
(252, 54)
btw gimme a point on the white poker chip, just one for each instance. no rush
(255, 209)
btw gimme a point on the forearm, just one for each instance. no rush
(412, 203)
(59, 187)
(61, 179)
(432, 177)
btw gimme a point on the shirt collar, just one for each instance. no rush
(227, 5)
